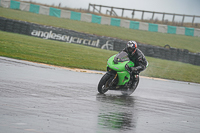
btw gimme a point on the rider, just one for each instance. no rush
(137, 57)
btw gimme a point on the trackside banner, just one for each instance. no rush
(65, 38)
(70, 36)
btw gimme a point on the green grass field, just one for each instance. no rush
(79, 56)
(152, 38)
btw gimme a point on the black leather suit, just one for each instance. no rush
(139, 60)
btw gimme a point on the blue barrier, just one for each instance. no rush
(34, 8)
(54, 12)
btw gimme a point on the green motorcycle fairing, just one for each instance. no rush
(118, 65)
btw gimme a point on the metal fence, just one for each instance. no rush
(111, 11)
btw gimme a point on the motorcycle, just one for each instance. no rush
(119, 75)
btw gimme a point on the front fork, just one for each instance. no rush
(113, 80)
(113, 77)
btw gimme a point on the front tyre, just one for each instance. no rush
(103, 85)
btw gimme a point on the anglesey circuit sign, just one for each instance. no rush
(71, 39)
(65, 38)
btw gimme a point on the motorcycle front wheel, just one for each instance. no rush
(103, 85)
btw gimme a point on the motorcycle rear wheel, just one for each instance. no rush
(129, 91)
(103, 84)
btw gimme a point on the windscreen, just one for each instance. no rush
(121, 57)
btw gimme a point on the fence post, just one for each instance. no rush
(111, 11)
(152, 16)
(183, 19)
(142, 14)
(89, 7)
(100, 9)
(173, 18)
(133, 13)
(93, 7)
(122, 12)
(193, 19)
(163, 18)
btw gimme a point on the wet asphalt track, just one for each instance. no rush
(36, 98)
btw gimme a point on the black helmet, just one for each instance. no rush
(131, 47)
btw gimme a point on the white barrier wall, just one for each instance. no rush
(197, 32)
(180, 30)
(162, 28)
(86, 17)
(125, 23)
(143, 26)
(24, 6)
(5, 3)
(65, 14)
(105, 20)
(44, 10)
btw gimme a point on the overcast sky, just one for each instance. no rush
(188, 7)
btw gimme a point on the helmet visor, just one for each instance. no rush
(130, 49)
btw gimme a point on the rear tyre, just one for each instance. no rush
(129, 91)
(103, 85)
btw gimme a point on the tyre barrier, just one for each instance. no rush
(109, 43)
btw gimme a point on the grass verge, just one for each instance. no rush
(79, 56)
